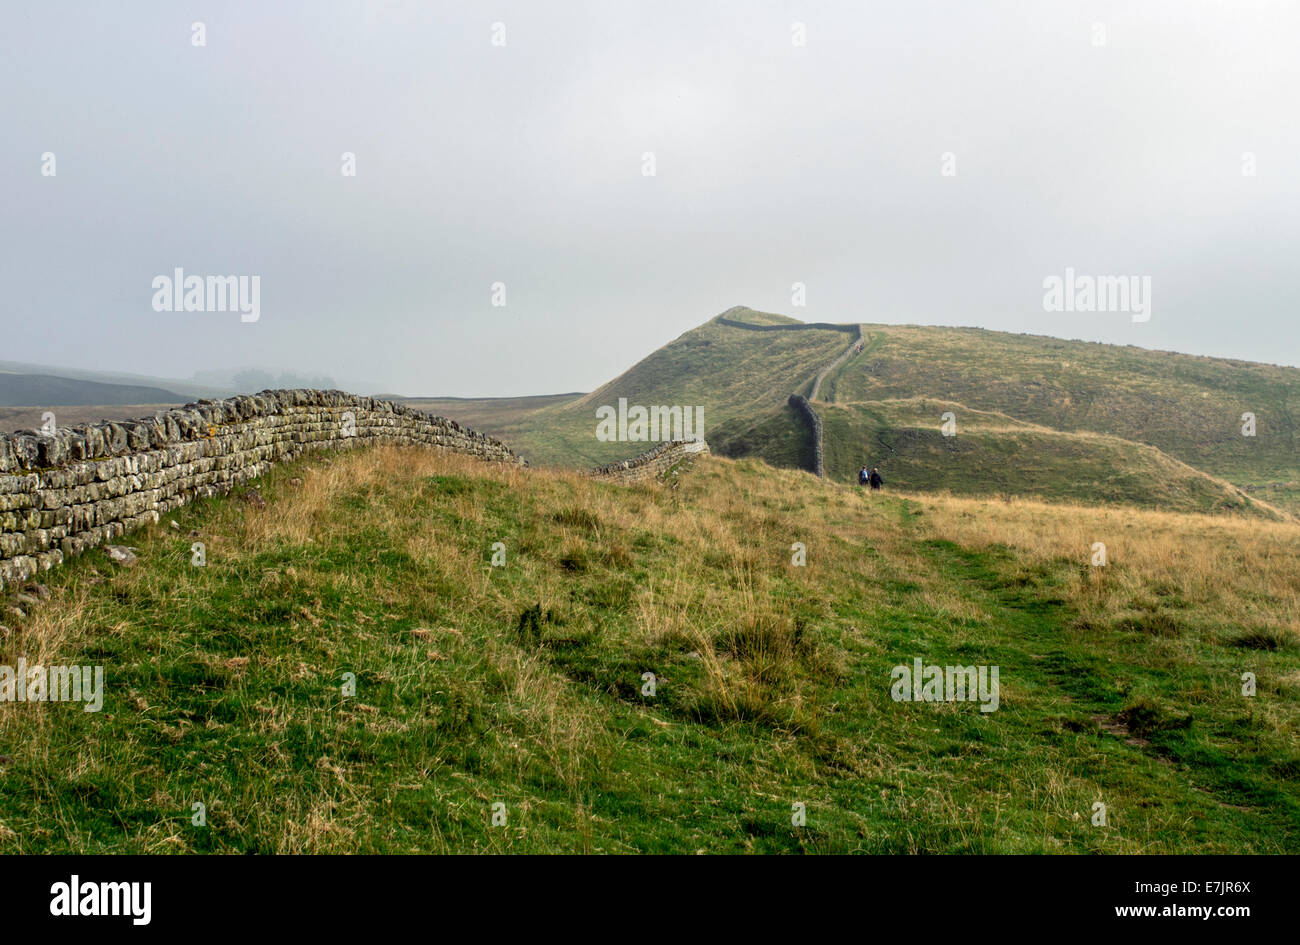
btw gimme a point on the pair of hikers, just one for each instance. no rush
(872, 478)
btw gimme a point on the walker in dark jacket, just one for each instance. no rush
(875, 480)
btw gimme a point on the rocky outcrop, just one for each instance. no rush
(82, 486)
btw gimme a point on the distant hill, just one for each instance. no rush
(732, 373)
(187, 389)
(48, 390)
(1035, 415)
(505, 417)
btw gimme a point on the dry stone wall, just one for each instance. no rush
(802, 404)
(652, 463)
(848, 353)
(78, 487)
(801, 326)
(805, 410)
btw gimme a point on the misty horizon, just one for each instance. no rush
(445, 201)
(281, 376)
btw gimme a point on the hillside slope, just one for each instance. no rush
(730, 372)
(186, 389)
(992, 453)
(47, 390)
(1187, 406)
(1083, 421)
(524, 685)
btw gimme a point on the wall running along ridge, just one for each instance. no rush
(800, 403)
(802, 326)
(64, 492)
(848, 353)
(804, 409)
(653, 463)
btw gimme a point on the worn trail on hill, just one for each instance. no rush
(1087, 689)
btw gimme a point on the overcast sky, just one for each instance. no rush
(775, 163)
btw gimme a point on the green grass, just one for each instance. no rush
(731, 372)
(523, 685)
(781, 439)
(991, 453)
(1186, 407)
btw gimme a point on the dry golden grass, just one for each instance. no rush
(1246, 571)
(381, 559)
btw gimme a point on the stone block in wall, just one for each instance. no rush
(26, 448)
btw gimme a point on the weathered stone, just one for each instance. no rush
(121, 554)
(651, 464)
(27, 449)
(52, 450)
(81, 487)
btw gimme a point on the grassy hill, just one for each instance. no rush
(523, 685)
(730, 372)
(181, 390)
(992, 453)
(46, 390)
(1036, 415)
(1187, 406)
